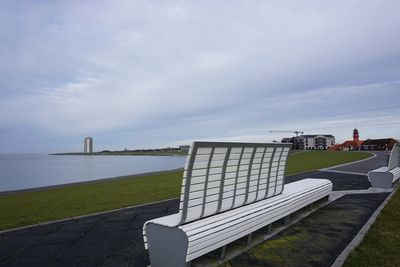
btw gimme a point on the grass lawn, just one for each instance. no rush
(381, 244)
(27, 208)
(313, 160)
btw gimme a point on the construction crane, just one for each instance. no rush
(295, 132)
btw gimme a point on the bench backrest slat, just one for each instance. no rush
(220, 176)
(394, 160)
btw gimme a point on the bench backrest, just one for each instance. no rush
(394, 160)
(220, 176)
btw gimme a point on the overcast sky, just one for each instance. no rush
(138, 74)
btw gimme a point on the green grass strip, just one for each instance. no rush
(381, 244)
(314, 160)
(26, 208)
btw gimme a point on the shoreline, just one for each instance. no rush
(119, 153)
(27, 190)
(123, 177)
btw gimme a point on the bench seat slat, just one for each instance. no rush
(246, 230)
(289, 189)
(268, 216)
(238, 217)
(244, 211)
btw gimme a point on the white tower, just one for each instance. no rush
(88, 145)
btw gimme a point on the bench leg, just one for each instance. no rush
(223, 252)
(269, 228)
(249, 238)
(188, 264)
(311, 206)
(287, 219)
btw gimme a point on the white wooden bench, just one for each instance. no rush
(229, 190)
(384, 177)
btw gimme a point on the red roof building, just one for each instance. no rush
(369, 144)
(378, 144)
(354, 144)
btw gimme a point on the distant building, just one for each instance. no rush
(88, 145)
(294, 141)
(349, 145)
(311, 142)
(315, 141)
(369, 144)
(378, 144)
(184, 147)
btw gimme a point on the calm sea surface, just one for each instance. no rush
(37, 170)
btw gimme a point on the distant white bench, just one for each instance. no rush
(384, 177)
(229, 190)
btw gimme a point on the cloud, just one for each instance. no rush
(197, 70)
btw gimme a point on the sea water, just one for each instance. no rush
(25, 171)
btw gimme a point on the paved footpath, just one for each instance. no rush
(115, 238)
(110, 239)
(365, 166)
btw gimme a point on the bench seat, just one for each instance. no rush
(190, 240)
(385, 177)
